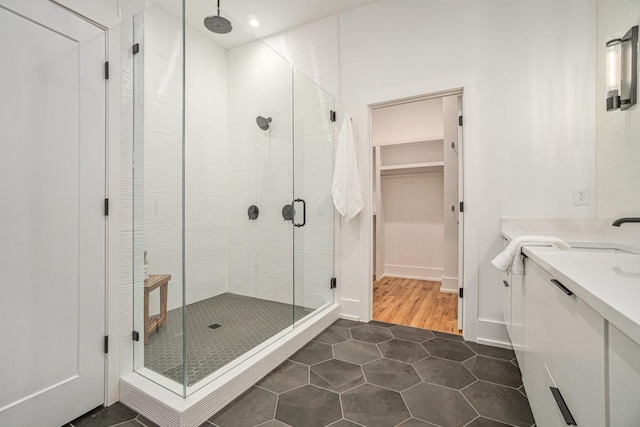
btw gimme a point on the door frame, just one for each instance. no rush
(108, 21)
(467, 85)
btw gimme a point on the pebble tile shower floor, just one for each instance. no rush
(245, 322)
(374, 375)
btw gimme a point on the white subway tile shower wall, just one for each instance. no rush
(205, 159)
(217, 135)
(260, 173)
(313, 49)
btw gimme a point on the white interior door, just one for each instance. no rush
(52, 224)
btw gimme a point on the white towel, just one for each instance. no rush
(511, 260)
(346, 189)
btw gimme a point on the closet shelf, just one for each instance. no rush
(409, 141)
(412, 168)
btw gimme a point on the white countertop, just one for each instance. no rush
(609, 283)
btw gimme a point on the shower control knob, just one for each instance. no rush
(288, 212)
(253, 212)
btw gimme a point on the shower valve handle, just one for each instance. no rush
(304, 213)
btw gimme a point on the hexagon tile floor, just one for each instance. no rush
(245, 323)
(382, 375)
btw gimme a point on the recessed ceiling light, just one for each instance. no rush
(253, 21)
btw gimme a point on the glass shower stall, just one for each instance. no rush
(233, 222)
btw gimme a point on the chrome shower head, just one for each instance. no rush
(263, 122)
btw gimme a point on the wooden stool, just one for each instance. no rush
(152, 323)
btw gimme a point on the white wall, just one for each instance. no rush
(413, 225)
(532, 64)
(618, 132)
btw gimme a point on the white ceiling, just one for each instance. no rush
(278, 15)
(274, 15)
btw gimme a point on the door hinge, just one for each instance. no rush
(135, 336)
(461, 206)
(106, 344)
(332, 115)
(106, 207)
(334, 283)
(461, 292)
(459, 120)
(136, 48)
(106, 70)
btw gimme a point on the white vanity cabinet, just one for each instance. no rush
(623, 371)
(559, 342)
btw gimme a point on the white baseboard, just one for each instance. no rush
(170, 410)
(493, 333)
(449, 285)
(349, 317)
(352, 309)
(432, 274)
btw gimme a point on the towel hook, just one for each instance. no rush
(453, 212)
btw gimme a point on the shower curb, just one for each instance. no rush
(170, 410)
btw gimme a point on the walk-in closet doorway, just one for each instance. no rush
(417, 196)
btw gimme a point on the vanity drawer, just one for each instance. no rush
(569, 343)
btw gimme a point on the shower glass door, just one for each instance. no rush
(313, 163)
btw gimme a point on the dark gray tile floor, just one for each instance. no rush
(115, 415)
(388, 376)
(245, 323)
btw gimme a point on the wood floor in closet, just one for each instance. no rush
(417, 303)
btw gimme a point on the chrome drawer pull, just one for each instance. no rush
(564, 409)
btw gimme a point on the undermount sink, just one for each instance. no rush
(601, 250)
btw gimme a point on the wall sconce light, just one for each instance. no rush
(622, 71)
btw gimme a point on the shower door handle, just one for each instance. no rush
(304, 213)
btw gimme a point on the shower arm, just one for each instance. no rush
(218, 7)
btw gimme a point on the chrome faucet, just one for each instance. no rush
(618, 222)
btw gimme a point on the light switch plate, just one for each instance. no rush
(580, 196)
